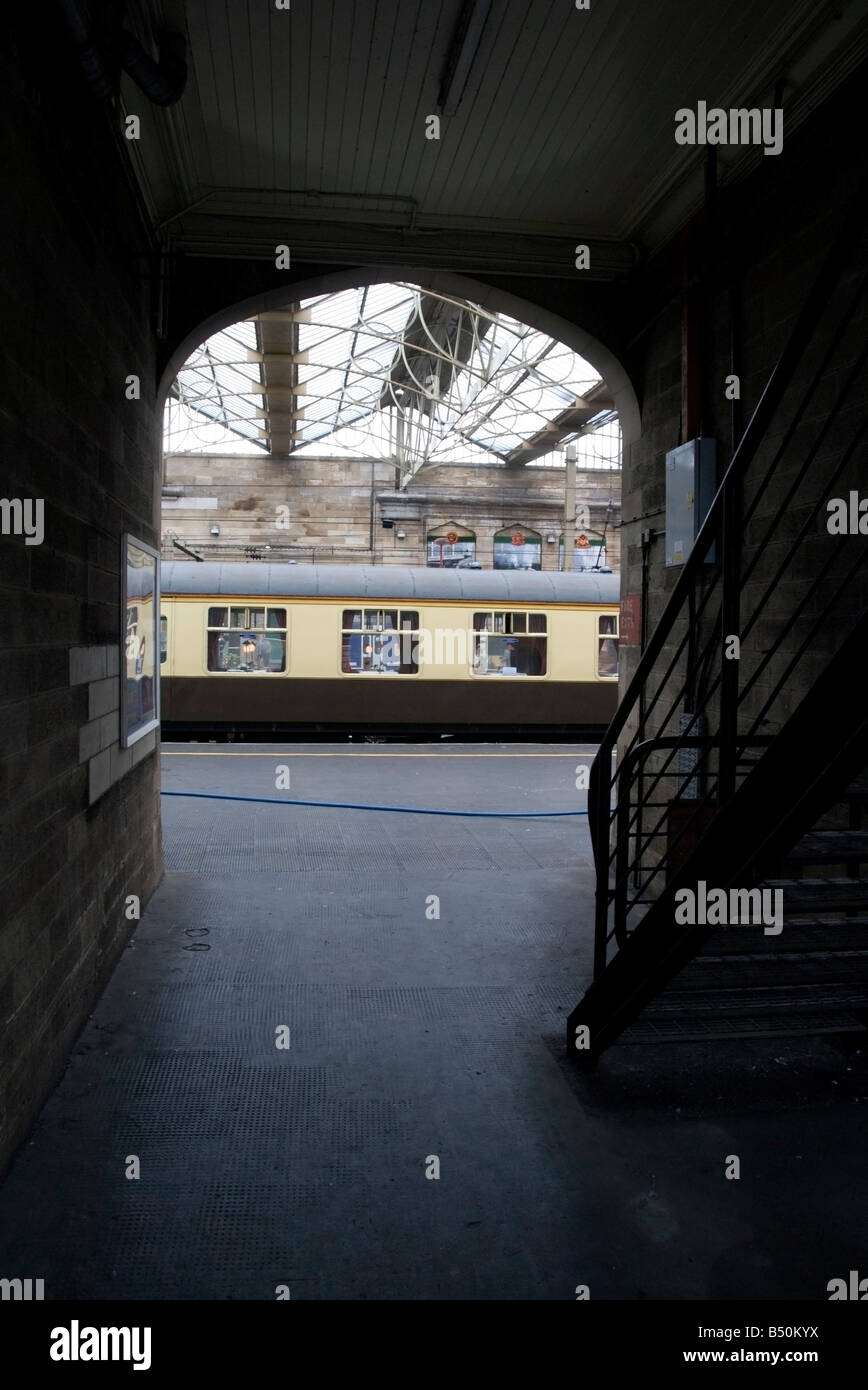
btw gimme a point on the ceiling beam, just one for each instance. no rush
(570, 421)
(503, 252)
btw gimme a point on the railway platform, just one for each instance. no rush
(334, 1046)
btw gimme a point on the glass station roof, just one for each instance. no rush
(390, 371)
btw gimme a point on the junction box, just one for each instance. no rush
(691, 482)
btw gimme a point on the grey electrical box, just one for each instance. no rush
(691, 482)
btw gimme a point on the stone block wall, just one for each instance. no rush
(99, 744)
(767, 243)
(756, 254)
(79, 817)
(332, 510)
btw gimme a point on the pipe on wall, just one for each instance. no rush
(163, 81)
(104, 48)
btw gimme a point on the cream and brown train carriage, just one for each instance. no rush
(394, 649)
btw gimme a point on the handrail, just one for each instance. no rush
(741, 843)
(637, 754)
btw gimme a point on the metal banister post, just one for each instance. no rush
(730, 621)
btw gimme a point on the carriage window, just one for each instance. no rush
(251, 640)
(607, 645)
(509, 644)
(381, 640)
(164, 638)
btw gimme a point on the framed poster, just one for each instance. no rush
(140, 632)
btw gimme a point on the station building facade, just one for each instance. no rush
(327, 510)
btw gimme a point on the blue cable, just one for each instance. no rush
(363, 806)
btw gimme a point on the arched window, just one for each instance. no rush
(517, 548)
(589, 552)
(449, 544)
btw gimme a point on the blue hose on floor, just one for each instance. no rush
(363, 806)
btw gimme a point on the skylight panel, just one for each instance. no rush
(484, 390)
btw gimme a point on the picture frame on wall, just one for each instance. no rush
(140, 640)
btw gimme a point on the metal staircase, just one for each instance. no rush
(810, 978)
(714, 771)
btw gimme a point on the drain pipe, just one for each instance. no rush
(163, 81)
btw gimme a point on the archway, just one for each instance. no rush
(496, 300)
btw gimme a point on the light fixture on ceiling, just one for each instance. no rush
(401, 535)
(550, 540)
(462, 51)
(215, 530)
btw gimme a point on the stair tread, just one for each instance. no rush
(835, 846)
(773, 970)
(835, 938)
(818, 932)
(857, 790)
(816, 894)
(839, 880)
(760, 998)
(769, 1026)
(809, 979)
(799, 934)
(824, 921)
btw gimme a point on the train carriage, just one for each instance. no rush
(276, 649)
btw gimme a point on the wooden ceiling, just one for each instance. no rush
(308, 126)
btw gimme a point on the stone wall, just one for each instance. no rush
(79, 824)
(333, 510)
(752, 260)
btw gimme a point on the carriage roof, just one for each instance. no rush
(388, 582)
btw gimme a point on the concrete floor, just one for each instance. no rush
(412, 1037)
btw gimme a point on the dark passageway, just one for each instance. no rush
(542, 324)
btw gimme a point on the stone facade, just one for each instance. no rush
(323, 510)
